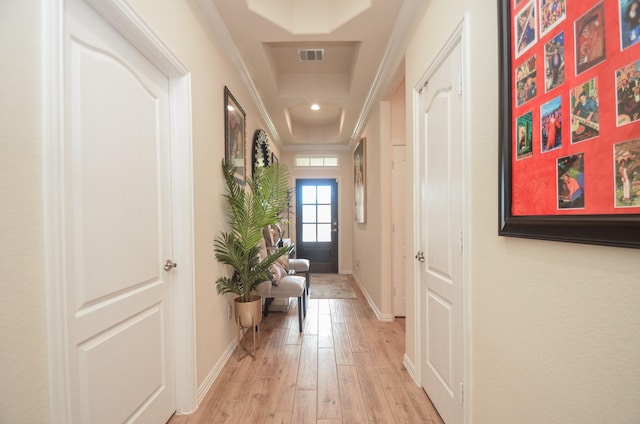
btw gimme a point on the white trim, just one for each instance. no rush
(466, 220)
(183, 245)
(393, 54)
(53, 188)
(216, 370)
(411, 369)
(211, 14)
(381, 317)
(460, 35)
(124, 19)
(417, 223)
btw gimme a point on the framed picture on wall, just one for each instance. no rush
(569, 157)
(360, 181)
(234, 134)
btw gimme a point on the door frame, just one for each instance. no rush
(460, 35)
(338, 215)
(131, 27)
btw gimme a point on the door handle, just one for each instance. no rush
(169, 265)
(420, 256)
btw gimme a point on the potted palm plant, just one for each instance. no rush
(249, 209)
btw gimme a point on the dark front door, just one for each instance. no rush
(317, 224)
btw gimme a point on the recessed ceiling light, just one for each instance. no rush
(315, 106)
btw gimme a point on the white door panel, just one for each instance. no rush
(114, 347)
(441, 207)
(118, 227)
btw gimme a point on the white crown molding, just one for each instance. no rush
(212, 16)
(393, 55)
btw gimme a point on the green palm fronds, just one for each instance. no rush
(249, 210)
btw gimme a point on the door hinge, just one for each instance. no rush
(459, 84)
(461, 240)
(461, 392)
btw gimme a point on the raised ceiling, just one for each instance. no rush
(360, 44)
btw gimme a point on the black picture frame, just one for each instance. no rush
(621, 230)
(235, 135)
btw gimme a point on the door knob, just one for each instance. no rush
(420, 256)
(168, 265)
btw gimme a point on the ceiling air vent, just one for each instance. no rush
(311, 55)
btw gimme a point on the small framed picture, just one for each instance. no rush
(234, 134)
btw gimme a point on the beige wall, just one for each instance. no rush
(23, 331)
(366, 237)
(372, 240)
(398, 115)
(554, 326)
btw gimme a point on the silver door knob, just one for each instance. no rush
(420, 256)
(168, 265)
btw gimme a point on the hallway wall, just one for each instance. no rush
(554, 325)
(367, 236)
(23, 328)
(372, 240)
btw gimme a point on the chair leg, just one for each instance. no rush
(304, 304)
(308, 275)
(300, 312)
(267, 303)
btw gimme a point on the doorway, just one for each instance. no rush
(317, 223)
(101, 294)
(439, 218)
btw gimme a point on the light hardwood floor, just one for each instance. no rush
(346, 367)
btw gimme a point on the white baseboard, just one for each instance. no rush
(411, 369)
(215, 371)
(381, 317)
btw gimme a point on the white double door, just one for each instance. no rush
(440, 170)
(117, 227)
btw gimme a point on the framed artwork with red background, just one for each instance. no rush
(570, 120)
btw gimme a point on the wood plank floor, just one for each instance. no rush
(346, 367)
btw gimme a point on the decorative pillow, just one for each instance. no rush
(277, 273)
(283, 261)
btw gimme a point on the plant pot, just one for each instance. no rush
(248, 314)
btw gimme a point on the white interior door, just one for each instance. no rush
(117, 223)
(440, 237)
(398, 248)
